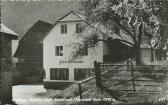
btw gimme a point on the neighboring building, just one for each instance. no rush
(161, 54)
(30, 51)
(59, 48)
(6, 37)
(150, 54)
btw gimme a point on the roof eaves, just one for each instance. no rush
(14, 37)
(6, 30)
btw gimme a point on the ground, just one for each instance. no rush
(27, 95)
(36, 95)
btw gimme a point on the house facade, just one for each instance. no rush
(59, 47)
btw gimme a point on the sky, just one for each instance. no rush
(20, 15)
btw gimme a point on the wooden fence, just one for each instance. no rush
(127, 78)
(130, 78)
(93, 77)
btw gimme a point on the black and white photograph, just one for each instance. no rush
(84, 52)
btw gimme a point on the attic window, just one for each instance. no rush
(64, 29)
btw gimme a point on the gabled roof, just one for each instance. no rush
(7, 31)
(29, 45)
(74, 16)
(70, 16)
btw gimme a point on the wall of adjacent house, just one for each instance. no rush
(14, 48)
(69, 42)
(106, 49)
(146, 55)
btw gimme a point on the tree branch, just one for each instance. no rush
(130, 33)
(132, 26)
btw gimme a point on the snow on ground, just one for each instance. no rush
(27, 95)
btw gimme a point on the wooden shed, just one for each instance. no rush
(6, 37)
(30, 53)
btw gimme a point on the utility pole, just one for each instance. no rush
(5, 68)
(6, 38)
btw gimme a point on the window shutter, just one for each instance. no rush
(65, 28)
(62, 29)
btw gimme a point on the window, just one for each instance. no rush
(58, 51)
(79, 28)
(83, 73)
(83, 50)
(64, 28)
(59, 74)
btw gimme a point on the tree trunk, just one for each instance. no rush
(152, 54)
(138, 45)
(138, 56)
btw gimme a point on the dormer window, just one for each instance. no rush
(63, 28)
(79, 28)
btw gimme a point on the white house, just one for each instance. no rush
(58, 50)
(62, 42)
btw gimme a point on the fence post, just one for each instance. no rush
(80, 90)
(132, 71)
(130, 67)
(98, 74)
